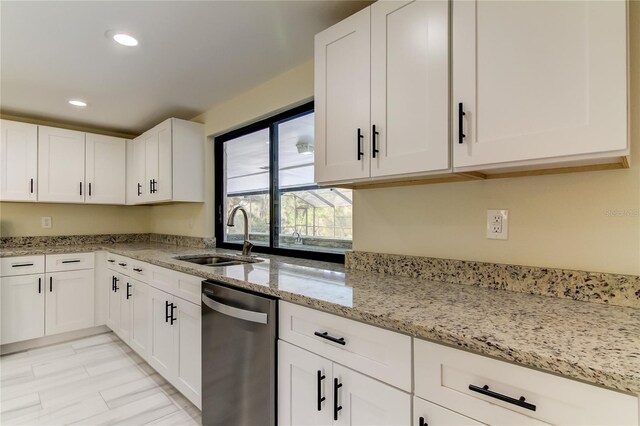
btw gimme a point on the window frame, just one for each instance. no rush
(271, 123)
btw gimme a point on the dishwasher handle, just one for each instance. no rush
(230, 311)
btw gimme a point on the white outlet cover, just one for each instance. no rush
(498, 224)
(45, 221)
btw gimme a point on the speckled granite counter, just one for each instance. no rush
(587, 341)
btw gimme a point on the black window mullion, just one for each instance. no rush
(274, 193)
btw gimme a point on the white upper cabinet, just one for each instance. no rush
(167, 164)
(382, 93)
(409, 87)
(538, 93)
(18, 161)
(137, 191)
(61, 157)
(342, 99)
(106, 169)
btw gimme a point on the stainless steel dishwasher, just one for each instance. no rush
(239, 332)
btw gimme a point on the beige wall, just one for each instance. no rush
(22, 219)
(555, 221)
(284, 91)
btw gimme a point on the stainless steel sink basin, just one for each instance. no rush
(217, 260)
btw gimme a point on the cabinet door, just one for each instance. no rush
(410, 86)
(151, 148)
(140, 305)
(60, 165)
(342, 99)
(113, 317)
(366, 401)
(69, 303)
(304, 387)
(188, 350)
(18, 161)
(158, 164)
(435, 415)
(162, 354)
(137, 186)
(126, 309)
(535, 92)
(22, 308)
(163, 189)
(106, 169)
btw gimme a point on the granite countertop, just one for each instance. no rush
(595, 343)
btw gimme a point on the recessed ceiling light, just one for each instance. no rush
(78, 103)
(125, 39)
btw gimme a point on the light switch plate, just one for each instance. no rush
(497, 224)
(45, 221)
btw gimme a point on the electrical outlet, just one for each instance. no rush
(45, 221)
(497, 224)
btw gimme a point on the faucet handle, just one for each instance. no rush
(246, 248)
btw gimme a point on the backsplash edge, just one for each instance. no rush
(597, 287)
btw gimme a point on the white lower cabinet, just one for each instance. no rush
(113, 313)
(304, 387)
(69, 301)
(316, 391)
(140, 300)
(188, 374)
(425, 413)
(161, 327)
(162, 355)
(22, 308)
(366, 401)
(175, 344)
(499, 393)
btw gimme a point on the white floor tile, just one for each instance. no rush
(90, 381)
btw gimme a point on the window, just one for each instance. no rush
(267, 168)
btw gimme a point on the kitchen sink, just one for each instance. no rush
(217, 260)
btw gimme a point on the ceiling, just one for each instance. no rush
(192, 55)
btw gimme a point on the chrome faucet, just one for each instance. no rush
(246, 246)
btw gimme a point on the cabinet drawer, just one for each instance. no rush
(112, 261)
(187, 287)
(69, 262)
(379, 353)
(21, 265)
(472, 384)
(435, 415)
(139, 270)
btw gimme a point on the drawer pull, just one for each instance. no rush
(20, 265)
(110, 260)
(519, 402)
(71, 261)
(137, 269)
(336, 407)
(325, 335)
(321, 398)
(122, 264)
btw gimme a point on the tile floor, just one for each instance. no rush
(97, 380)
